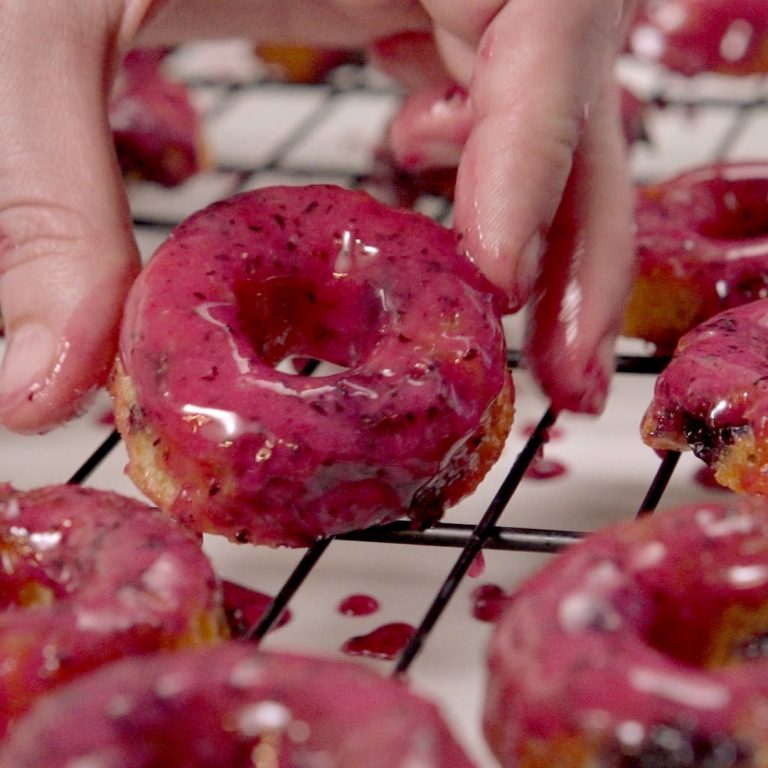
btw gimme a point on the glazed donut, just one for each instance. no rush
(642, 645)
(426, 137)
(713, 398)
(89, 576)
(702, 247)
(156, 129)
(222, 439)
(232, 707)
(692, 36)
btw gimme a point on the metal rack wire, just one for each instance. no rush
(487, 534)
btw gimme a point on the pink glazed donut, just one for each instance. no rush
(702, 247)
(692, 36)
(157, 131)
(89, 576)
(643, 645)
(713, 398)
(233, 707)
(229, 444)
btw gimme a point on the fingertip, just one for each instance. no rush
(61, 342)
(506, 242)
(29, 358)
(575, 378)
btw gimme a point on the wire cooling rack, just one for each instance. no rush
(262, 132)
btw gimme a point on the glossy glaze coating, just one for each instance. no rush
(702, 247)
(410, 424)
(692, 36)
(155, 126)
(89, 576)
(232, 707)
(643, 645)
(713, 397)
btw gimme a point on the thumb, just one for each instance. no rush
(66, 251)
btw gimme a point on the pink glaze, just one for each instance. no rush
(358, 605)
(637, 647)
(692, 36)
(555, 432)
(431, 128)
(320, 272)
(88, 577)
(384, 642)
(233, 707)
(155, 126)
(477, 566)
(544, 468)
(106, 419)
(707, 229)
(244, 607)
(488, 602)
(715, 387)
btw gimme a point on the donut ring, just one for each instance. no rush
(220, 438)
(713, 398)
(639, 646)
(692, 36)
(702, 247)
(232, 707)
(89, 576)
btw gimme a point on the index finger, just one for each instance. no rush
(538, 71)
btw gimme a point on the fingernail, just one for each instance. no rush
(526, 271)
(598, 375)
(28, 359)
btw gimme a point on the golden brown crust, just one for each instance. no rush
(742, 466)
(486, 445)
(147, 450)
(145, 464)
(661, 308)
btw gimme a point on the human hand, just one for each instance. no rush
(67, 256)
(543, 197)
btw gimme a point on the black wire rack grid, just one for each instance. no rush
(468, 539)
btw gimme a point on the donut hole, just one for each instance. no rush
(295, 318)
(738, 211)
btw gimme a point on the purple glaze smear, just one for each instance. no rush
(650, 625)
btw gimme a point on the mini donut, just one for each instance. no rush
(89, 576)
(693, 36)
(229, 444)
(157, 131)
(702, 247)
(713, 398)
(232, 707)
(426, 137)
(642, 645)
